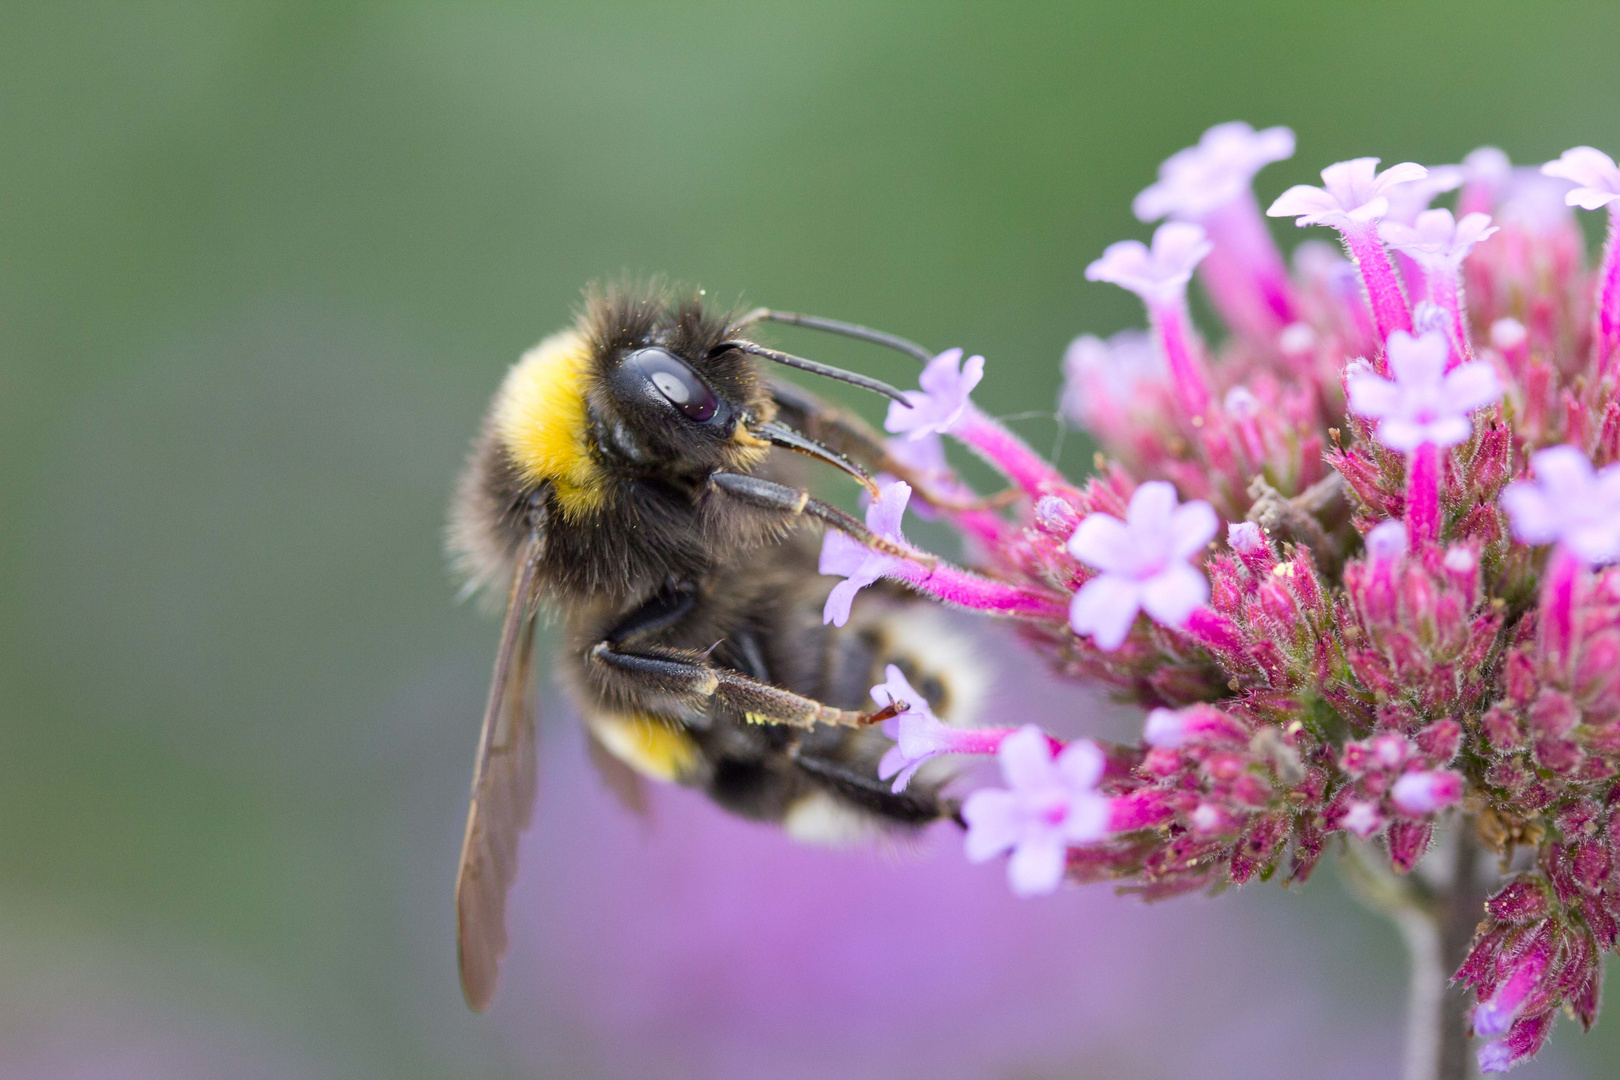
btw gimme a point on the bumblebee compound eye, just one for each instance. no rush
(674, 381)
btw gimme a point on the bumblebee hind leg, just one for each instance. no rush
(866, 791)
(688, 679)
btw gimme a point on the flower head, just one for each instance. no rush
(1158, 275)
(946, 383)
(1049, 803)
(1568, 503)
(1352, 193)
(858, 564)
(1436, 239)
(1423, 403)
(1594, 174)
(1143, 562)
(1103, 376)
(1201, 178)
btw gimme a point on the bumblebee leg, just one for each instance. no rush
(847, 434)
(870, 793)
(688, 678)
(765, 494)
(835, 427)
(663, 610)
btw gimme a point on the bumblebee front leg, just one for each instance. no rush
(847, 434)
(765, 494)
(686, 677)
(831, 425)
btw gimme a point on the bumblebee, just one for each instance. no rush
(639, 475)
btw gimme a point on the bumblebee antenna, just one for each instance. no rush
(835, 326)
(789, 360)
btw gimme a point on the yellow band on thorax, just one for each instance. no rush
(541, 421)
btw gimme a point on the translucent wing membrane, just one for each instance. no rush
(502, 793)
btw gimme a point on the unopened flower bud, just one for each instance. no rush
(1553, 713)
(1590, 864)
(1519, 901)
(1250, 790)
(1408, 841)
(1055, 517)
(1441, 740)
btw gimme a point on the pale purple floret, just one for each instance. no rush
(1423, 404)
(1352, 193)
(1171, 729)
(925, 460)
(1408, 200)
(1386, 541)
(1049, 804)
(1101, 379)
(858, 564)
(925, 454)
(1568, 503)
(1495, 1057)
(1165, 729)
(1495, 1015)
(1436, 239)
(1159, 274)
(1426, 791)
(1244, 537)
(1143, 564)
(1195, 181)
(1363, 819)
(918, 734)
(946, 383)
(1594, 174)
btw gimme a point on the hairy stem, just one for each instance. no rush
(1436, 919)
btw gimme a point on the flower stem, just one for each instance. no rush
(1192, 388)
(1005, 451)
(1558, 606)
(954, 585)
(1444, 293)
(1608, 298)
(1384, 295)
(1423, 494)
(1245, 276)
(1437, 923)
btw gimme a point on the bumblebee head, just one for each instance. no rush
(671, 390)
(649, 387)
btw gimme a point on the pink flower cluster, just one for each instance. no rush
(1411, 620)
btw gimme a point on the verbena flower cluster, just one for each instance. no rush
(1353, 559)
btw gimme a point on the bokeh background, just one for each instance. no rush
(261, 265)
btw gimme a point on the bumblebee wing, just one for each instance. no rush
(502, 794)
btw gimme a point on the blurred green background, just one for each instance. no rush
(262, 264)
